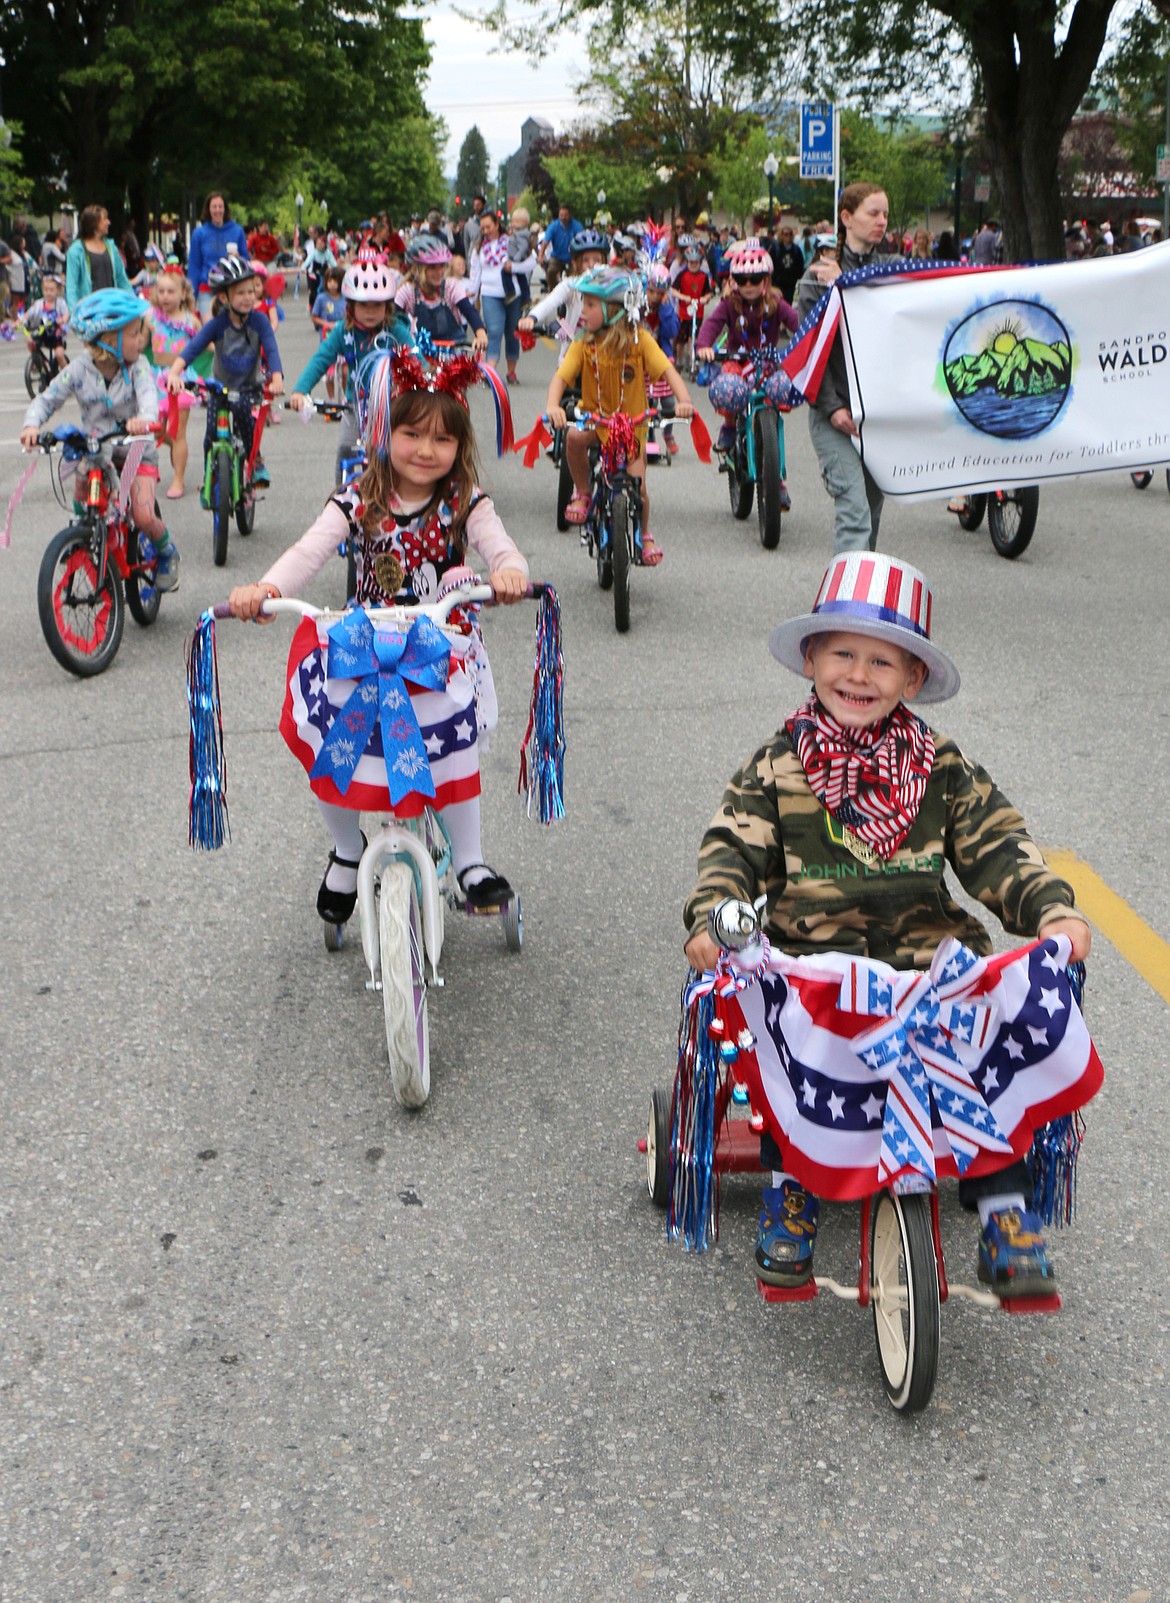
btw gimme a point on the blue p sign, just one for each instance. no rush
(816, 139)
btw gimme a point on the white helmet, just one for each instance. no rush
(368, 279)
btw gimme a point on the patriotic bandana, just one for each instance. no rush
(871, 780)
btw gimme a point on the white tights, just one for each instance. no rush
(461, 821)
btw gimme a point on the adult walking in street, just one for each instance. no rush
(857, 501)
(554, 245)
(501, 308)
(93, 261)
(787, 263)
(210, 241)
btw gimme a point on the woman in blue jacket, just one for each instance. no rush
(92, 261)
(209, 243)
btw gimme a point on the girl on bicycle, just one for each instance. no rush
(174, 323)
(441, 305)
(612, 358)
(411, 516)
(47, 319)
(111, 382)
(372, 322)
(243, 342)
(754, 316)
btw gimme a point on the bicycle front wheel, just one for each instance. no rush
(38, 374)
(404, 987)
(564, 489)
(619, 526)
(905, 1299)
(221, 508)
(741, 489)
(82, 617)
(768, 478)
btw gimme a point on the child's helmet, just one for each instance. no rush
(620, 289)
(368, 279)
(428, 250)
(659, 276)
(229, 270)
(749, 261)
(624, 242)
(585, 239)
(105, 311)
(692, 253)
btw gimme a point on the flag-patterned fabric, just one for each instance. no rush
(869, 1076)
(446, 719)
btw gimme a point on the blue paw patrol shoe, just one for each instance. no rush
(788, 1234)
(1013, 1259)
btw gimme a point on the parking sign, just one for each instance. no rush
(816, 139)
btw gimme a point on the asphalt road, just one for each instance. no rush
(266, 1336)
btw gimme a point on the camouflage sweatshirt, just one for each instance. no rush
(772, 836)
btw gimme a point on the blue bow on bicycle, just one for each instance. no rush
(382, 662)
(919, 1050)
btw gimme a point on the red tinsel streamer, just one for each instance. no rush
(527, 341)
(409, 373)
(455, 375)
(533, 444)
(621, 443)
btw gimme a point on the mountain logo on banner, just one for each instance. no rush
(1008, 368)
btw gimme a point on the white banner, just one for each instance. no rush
(983, 380)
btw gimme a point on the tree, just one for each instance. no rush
(911, 167)
(1134, 78)
(1023, 65)
(471, 174)
(581, 175)
(161, 100)
(739, 172)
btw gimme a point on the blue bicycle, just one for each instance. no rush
(755, 465)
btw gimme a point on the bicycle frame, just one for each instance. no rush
(227, 438)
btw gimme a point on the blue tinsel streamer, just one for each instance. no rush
(693, 1196)
(542, 758)
(208, 827)
(1056, 1147)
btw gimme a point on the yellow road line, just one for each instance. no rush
(1141, 947)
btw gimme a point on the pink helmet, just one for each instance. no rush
(368, 279)
(658, 277)
(750, 260)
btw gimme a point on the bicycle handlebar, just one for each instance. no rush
(48, 440)
(461, 595)
(331, 411)
(206, 386)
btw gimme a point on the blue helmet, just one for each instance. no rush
(105, 311)
(585, 239)
(618, 287)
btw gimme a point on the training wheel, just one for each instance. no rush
(658, 1148)
(334, 936)
(513, 919)
(904, 1297)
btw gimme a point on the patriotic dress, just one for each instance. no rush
(404, 561)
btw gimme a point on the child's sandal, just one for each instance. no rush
(578, 508)
(652, 552)
(489, 894)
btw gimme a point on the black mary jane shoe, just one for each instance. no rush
(336, 907)
(487, 895)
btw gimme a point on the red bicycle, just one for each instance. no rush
(100, 564)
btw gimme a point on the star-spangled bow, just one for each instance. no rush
(383, 662)
(927, 1037)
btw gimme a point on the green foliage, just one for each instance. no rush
(1134, 77)
(15, 185)
(580, 175)
(162, 100)
(471, 173)
(740, 185)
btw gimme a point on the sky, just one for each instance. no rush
(496, 92)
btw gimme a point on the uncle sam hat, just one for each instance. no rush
(864, 593)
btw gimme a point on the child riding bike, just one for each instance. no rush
(611, 358)
(243, 342)
(442, 306)
(47, 319)
(661, 318)
(410, 517)
(845, 821)
(113, 384)
(587, 249)
(372, 322)
(754, 316)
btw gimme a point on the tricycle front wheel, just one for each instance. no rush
(905, 1299)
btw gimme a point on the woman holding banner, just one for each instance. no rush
(864, 213)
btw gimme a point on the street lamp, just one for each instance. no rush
(771, 167)
(300, 209)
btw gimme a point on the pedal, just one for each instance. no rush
(1049, 1304)
(804, 1293)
